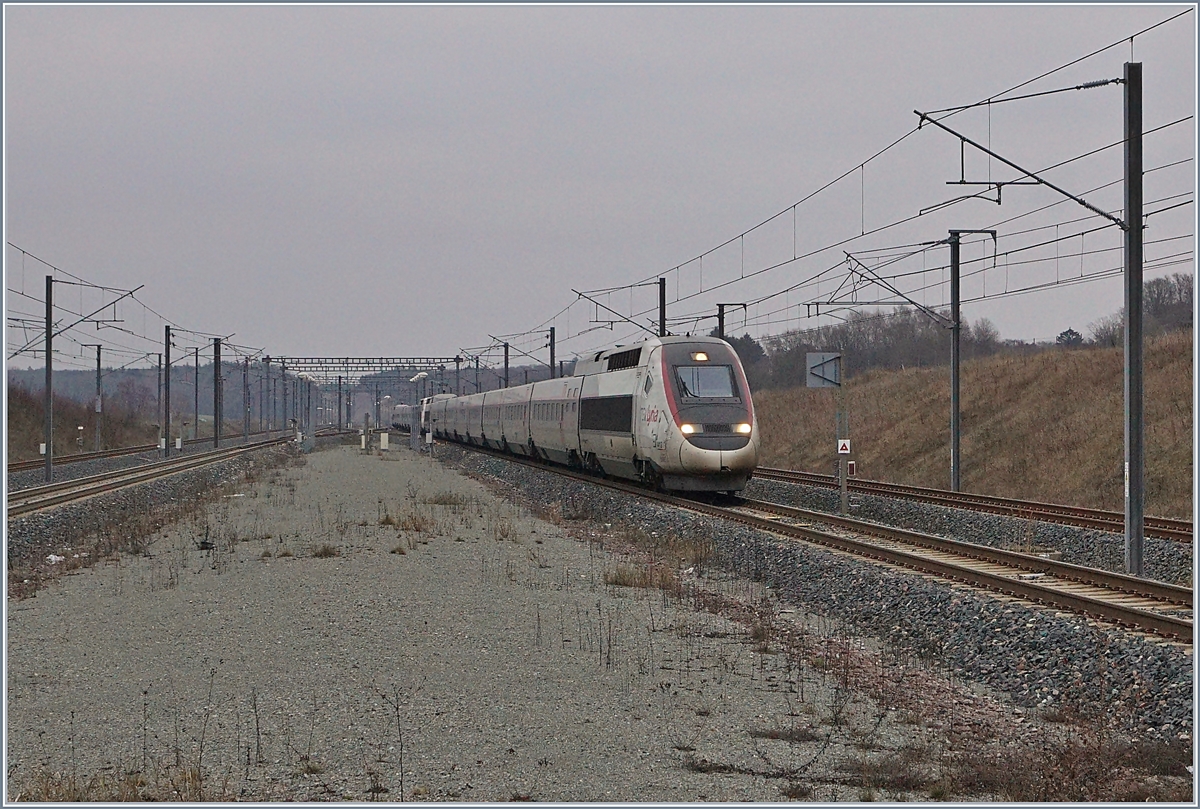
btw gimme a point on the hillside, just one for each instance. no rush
(1047, 426)
(120, 427)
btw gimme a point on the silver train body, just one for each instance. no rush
(402, 417)
(672, 412)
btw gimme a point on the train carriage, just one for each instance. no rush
(674, 412)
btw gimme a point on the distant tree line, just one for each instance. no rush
(907, 338)
(1166, 306)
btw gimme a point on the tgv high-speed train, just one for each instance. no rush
(673, 412)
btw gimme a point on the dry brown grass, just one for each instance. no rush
(1043, 427)
(418, 521)
(163, 783)
(644, 575)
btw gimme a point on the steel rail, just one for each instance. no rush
(1162, 527)
(1030, 563)
(1090, 605)
(19, 466)
(53, 494)
(38, 463)
(1133, 617)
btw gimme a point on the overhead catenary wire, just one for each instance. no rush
(767, 267)
(993, 98)
(882, 228)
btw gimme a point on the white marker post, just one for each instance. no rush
(843, 448)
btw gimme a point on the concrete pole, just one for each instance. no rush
(99, 398)
(261, 401)
(955, 329)
(269, 394)
(552, 352)
(48, 404)
(1135, 449)
(98, 403)
(246, 399)
(662, 307)
(218, 393)
(505, 365)
(339, 404)
(283, 384)
(158, 399)
(167, 391)
(721, 320)
(842, 475)
(196, 403)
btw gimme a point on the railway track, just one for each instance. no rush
(1134, 603)
(38, 463)
(1161, 527)
(36, 498)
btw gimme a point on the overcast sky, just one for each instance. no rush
(408, 180)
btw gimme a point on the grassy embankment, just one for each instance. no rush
(119, 427)
(1046, 427)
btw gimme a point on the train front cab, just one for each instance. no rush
(710, 404)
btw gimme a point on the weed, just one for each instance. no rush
(377, 788)
(447, 499)
(797, 791)
(794, 735)
(418, 522)
(326, 551)
(897, 772)
(647, 576)
(400, 549)
(940, 791)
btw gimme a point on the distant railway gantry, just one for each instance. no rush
(351, 370)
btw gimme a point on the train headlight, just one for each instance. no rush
(687, 429)
(744, 429)
(699, 356)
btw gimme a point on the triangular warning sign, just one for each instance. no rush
(844, 446)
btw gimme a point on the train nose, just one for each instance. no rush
(697, 461)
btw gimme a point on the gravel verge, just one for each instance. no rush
(356, 626)
(1037, 657)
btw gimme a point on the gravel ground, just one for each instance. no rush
(1143, 683)
(451, 645)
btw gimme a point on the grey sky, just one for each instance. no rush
(383, 181)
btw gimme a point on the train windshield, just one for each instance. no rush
(706, 381)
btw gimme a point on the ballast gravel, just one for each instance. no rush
(377, 626)
(1037, 657)
(1164, 560)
